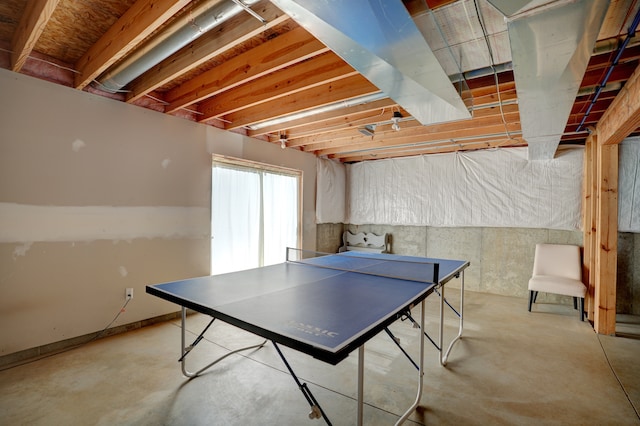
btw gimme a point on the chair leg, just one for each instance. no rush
(582, 309)
(530, 299)
(535, 296)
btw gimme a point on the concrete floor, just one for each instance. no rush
(511, 367)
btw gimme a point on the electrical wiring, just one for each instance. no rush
(495, 75)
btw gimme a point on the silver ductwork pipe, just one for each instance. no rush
(180, 33)
(381, 41)
(550, 49)
(325, 108)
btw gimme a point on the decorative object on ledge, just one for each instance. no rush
(365, 241)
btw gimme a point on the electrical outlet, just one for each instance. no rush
(129, 294)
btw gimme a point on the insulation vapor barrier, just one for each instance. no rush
(489, 188)
(330, 193)
(629, 185)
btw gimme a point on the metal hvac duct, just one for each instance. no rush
(183, 31)
(512, 7)
(319, 110)
(380, 40)
(551, 48)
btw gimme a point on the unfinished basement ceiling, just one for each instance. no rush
(273, 76)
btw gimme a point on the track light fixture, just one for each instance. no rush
(395, 120)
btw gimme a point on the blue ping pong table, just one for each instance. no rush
(324, 305)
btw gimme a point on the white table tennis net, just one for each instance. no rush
(390, 266)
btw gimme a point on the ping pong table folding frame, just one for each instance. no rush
(316, 411)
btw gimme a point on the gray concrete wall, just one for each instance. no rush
(628, 279)
(501, 258)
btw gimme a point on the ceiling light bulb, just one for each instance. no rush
(395, 120)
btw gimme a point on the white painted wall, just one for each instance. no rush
(97, 196)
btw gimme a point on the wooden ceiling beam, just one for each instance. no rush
(417, 135)
(287, 49)
(603, 102)
(411, 129)
(623, 116)
(344, 118)
(337, 91)
(492, 89)
(493, 98)
(326, 121)
(352, 117)
(351, 121)
(603, 60)
(574, 119)
(619, 73)
(319, 70)
(32, 23)
(347, 130)
(236, 30)
(489, 80)
(137, 23)
(432, 149)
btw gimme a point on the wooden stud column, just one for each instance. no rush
(620, 119)
(606, 240)
(589, 217)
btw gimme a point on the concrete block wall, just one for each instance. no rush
(628, 279)
(501, 258)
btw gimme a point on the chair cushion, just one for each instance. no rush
(557, 285)
(561, 260)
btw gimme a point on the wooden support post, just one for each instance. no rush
(606, 240)
(589, 224)
(620, 119)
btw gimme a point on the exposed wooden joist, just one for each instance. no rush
(603, 60)
(327, 122)
(414, 131)
(344, 126)
(340, 90)
(439, 148)
(236, 30)
(623, 116)
(137, 23)
(295, 46)
(417, 135)
(319, 70)
(33, 21)
(619, 73)
(582, 103)
(336, 122)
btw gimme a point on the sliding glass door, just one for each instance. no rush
(255, 214)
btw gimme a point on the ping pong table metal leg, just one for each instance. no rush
(316, 409)
(186, 350)
(410, 410)
(360, 414)
(444, 356)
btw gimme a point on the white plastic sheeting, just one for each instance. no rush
(629, 185)
(331, 192)
(489, 188)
